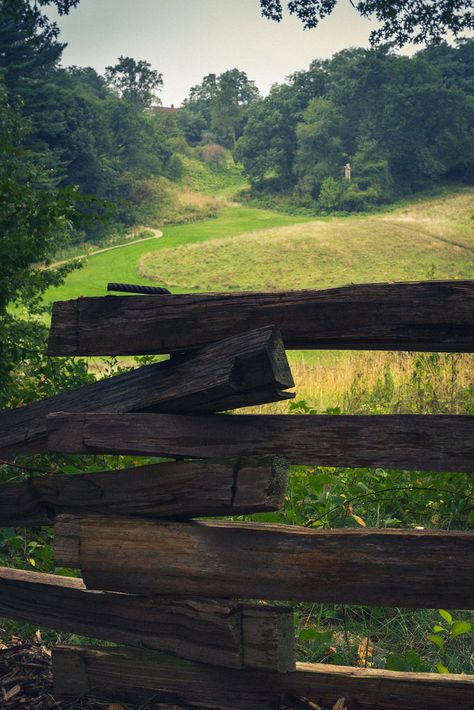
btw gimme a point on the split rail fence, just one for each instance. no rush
(167, 586)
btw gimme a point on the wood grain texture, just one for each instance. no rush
(424, 316)
(417, 442)
(174, 489)
(242, 370)
(135, 676)
(262, 561)
(209, 631)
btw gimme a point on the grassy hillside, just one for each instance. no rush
(429, 239)
(122, 264)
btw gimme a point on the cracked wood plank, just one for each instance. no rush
(405, 441)
(136, 676)
(224, 633)
(422, 316)
(242, 370)
(263, 561)
(173, 489)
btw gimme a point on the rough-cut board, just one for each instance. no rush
(174, 489)
(135, 676)
(426, 443)
(210, 631)
(263, 561)
(246, 369)
(435, 315)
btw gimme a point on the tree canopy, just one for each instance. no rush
(402, 123)
(136, 81)
(401, 22)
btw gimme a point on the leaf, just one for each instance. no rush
(396, 662)
(437, 640)
(438, 628)
(32, 561)
(460, 627)
(446, 616)
(321, 638)
(359, 520)
(441, 669)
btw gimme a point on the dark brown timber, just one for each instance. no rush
(216, 632)
(135, 676)
(174, 489)
(418, 442)
(263, 561)
(246, 369)
(425, 316)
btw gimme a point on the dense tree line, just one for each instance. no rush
(75, 147)
(401, 124)
(86, 130)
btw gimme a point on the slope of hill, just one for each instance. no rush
(430, 239)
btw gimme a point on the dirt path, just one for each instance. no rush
(157, 233)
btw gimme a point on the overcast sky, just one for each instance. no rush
(187, 39)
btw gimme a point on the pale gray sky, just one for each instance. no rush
(187, 39)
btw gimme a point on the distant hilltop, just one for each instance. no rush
(159, 107)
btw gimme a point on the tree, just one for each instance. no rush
(219, 107)
(34, 223)
(135, 80)
(320, 151)
(402, 22)
(268, 143)
(235, 92)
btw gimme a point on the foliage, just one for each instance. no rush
(217, 108)
(402, 22)
(136, 81)
(402, 123)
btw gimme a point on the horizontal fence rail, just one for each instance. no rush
(173, 489)
(242, 370)
(137, 676)
(418, 442)
(263, 561)
(217, 632)
(430, 316)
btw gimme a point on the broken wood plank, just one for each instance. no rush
(245, 369)
(423, 316)
(223, 633)
(136, 676)
(263, 561)
(416, 442)
(174, 489)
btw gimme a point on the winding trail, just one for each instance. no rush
(157, 233)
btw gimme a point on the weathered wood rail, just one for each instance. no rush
(420, 442)
(131, 676)
(436, 316)
(174, 489)
(263, 561)
(239, 371)
(224, 633)
(172, 584)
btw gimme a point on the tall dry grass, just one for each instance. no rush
(381, 382)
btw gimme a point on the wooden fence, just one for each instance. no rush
(169, 587)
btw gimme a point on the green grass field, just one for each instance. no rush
(247, 248)
(430, 240)
(122, 264)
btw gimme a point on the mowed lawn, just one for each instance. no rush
(121, 265)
